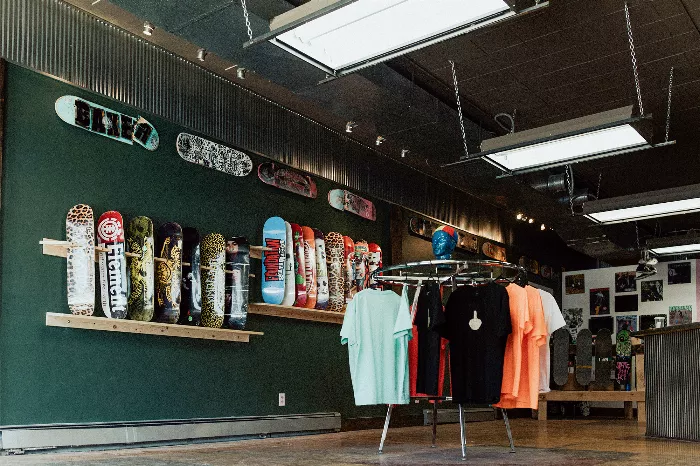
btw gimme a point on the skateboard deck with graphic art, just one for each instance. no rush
(213, 258)
(299, 265)
(322, 293)
(238, 266)
(560, 356)
(604, 363)
(191, 303)
(169, 273)
(360, 262)
(287, 179)
(310, 267)
(274, 238)
(494, 252)
(80, 234)
(212, 155)
(584, 356)
(290, 284)
(341, 199)
(139, 241)
(349, 268)
(623, 359)
(335, 254)
(530, 265)
(105, 122)
(113, 279)
(374, 261)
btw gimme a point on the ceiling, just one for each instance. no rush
(568, 60)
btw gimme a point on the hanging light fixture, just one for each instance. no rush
(148, 28)
(683, 244)
(653, 204)
(201, 54)
(342, 36)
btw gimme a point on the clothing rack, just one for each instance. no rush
(453, 272)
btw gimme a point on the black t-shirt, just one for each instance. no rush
(429, 317)
(476, 356)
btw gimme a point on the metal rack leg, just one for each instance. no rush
(462, 433)
(510, 435)
(434, 423)
(386, 427)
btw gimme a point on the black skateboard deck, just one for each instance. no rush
(169, 273)
(237, 273)
(191, 303)
(560, 356)
(604, 362)
(584, 356)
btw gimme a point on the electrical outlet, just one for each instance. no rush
(282, 399)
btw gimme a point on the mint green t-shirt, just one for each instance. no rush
(376, 328)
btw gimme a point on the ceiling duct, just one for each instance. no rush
(551, 184)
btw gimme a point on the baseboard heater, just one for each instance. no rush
(95, 435)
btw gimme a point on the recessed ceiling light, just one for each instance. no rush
(148, 28)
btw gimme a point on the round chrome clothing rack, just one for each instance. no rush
(443, 270)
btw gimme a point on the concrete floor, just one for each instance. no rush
(556, 442)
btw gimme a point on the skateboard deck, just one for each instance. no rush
(584, 356)
(139, 241)
(322, 293)
(287, 179)
(336, 279)
(212, 155)
(546, 271)
(80, 233)
(425, 228)
(374, 261)
(623, 351)
(299, 265)
(213, 257)
(113, 279)
(290, 286)
(349, 268)
(603, 358)
(530, 265)
(191, 303)
(238, 264)
(274, 237)
(494, 252)
(341, 199)
(560, 356)
(310, 267)
(360, 262)
(169, 273)
(105, 122)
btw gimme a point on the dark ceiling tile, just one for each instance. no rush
(436, 56)
(476, 85)
(679, 24)
(493, 39)
(532, 70)
(673, 45)
(666, 8)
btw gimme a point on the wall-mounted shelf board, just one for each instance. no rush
(299, 313)
(150, 328)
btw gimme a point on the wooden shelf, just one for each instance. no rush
(300, 313)
(150, 328)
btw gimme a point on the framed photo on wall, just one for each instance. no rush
(600, 301)
(626, 323)
(625, 282)
(678, 273)
(627, 303)
(647, 322)
(575, 284)
(652, 290)
(679, 315)
(574, 321)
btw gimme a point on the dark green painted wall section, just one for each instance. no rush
(52, 375)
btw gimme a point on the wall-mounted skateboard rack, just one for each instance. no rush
(58, 248)
(148, 328)
(299, 313)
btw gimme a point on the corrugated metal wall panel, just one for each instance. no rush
(60, 40)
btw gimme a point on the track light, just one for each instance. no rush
(241, 73)
(519, 217)
(530, 220)
(404, 152)
(379, 141)
(148, 28)
(349, 126)
(201, 54)
(542, 227)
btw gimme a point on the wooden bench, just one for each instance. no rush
(626, 397)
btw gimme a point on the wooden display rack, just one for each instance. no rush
(148, 328)
(299, 313)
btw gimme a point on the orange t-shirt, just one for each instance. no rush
(534, 335)
(512, 361)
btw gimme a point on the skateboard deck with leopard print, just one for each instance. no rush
(360, 262)
(336, 279)
(169, 273)
(349, 268)
(139, 240)
(584, 356)
(237, 279)
(212, 155)
(105, 122)
(213, 258)
(299, 265)
(80, 234)
(310, 267)
(287, 179)
(191, 302)
(322, 293)
(341, 199)
(112, 264)
(374, 261)
(274, 238)
(290, 287)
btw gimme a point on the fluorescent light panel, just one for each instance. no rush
(661, 209)
(569, 148)
(367, 29)
(681, 249)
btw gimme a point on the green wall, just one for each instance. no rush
(54, 375)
